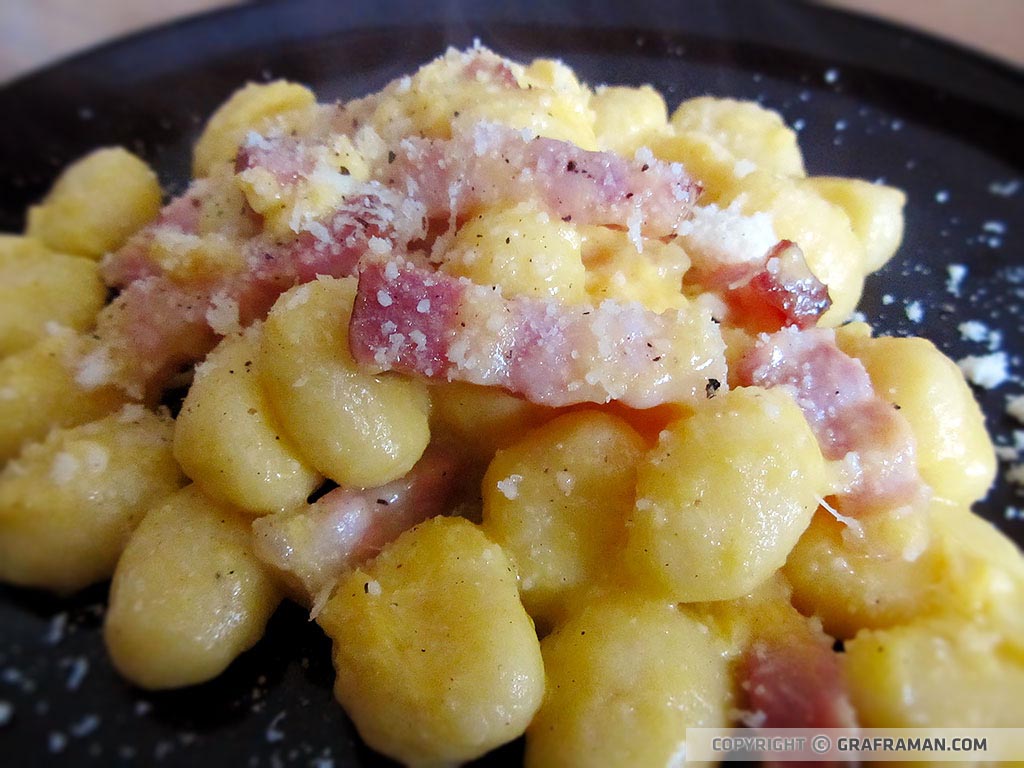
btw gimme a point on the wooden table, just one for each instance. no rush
(34, 32)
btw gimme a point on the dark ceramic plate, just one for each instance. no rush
(869, 100)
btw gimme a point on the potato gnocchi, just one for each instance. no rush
(544, 399)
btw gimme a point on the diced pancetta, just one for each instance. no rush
(313, 545)
(430, 324)
(158, 324)
(283, 156)
(851, 422)
(492, 163)
(132, 261)
(795, 682)
(781, 291)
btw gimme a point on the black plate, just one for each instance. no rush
(870, 100)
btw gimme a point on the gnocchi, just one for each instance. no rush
(188, 594)
(544, 400)
(97, 202)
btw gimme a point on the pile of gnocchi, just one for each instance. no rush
(545, 402)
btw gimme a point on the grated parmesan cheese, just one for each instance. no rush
(223, 314)
(957, 273)
(95, 369)
(64, 468)
(727, 235)
(987, 371)
(1015, 407)
(509, 487)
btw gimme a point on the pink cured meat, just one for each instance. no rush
(158, 324)
(795, 681)
(283, 156)
(430, 324)
(314, 545)
(781, 292)
(491, 164)
(151, 329)
(132, 262)
(849, 420)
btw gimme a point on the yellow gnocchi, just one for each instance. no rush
(436, 660)
(622, 667)
(227, 439)
(529, 391)
(39, 390)
(248, 109)
(875, 212)
(522, 250)
(748, 130)
(557, 502)
(715, 517)
(69, 503)
(902, 677)
(96, 203)
(188, 594)
(954, 453)
(40, 289)
(626, 119)
(355, 428)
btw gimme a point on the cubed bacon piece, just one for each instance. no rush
(159, 324)
(782, 292)
(151, 329)
(486, 66)
(430, 324)
(284, 156)
(795, 681)
(493, 163)
(132, 261)
(313, 545)
(851, 422)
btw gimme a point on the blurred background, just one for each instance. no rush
(36, 32)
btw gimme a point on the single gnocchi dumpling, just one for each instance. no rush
(227, 438)
(550, 101)
(188, 594)
(885, 571)
(903, 677)
(96, 203)
(626, 119)
(521, 249)
(40, 289)
(616, 270)
(356, 428)
(251, 108)
(47, 386)
(437, 662)
(461, 89)
(751, 132)
(715, 516)
(875, 211)
(626, 677)
(557, 502)
(954, 453)
(905, 567)
(708, 161)
(479, 420)
(69, 503)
